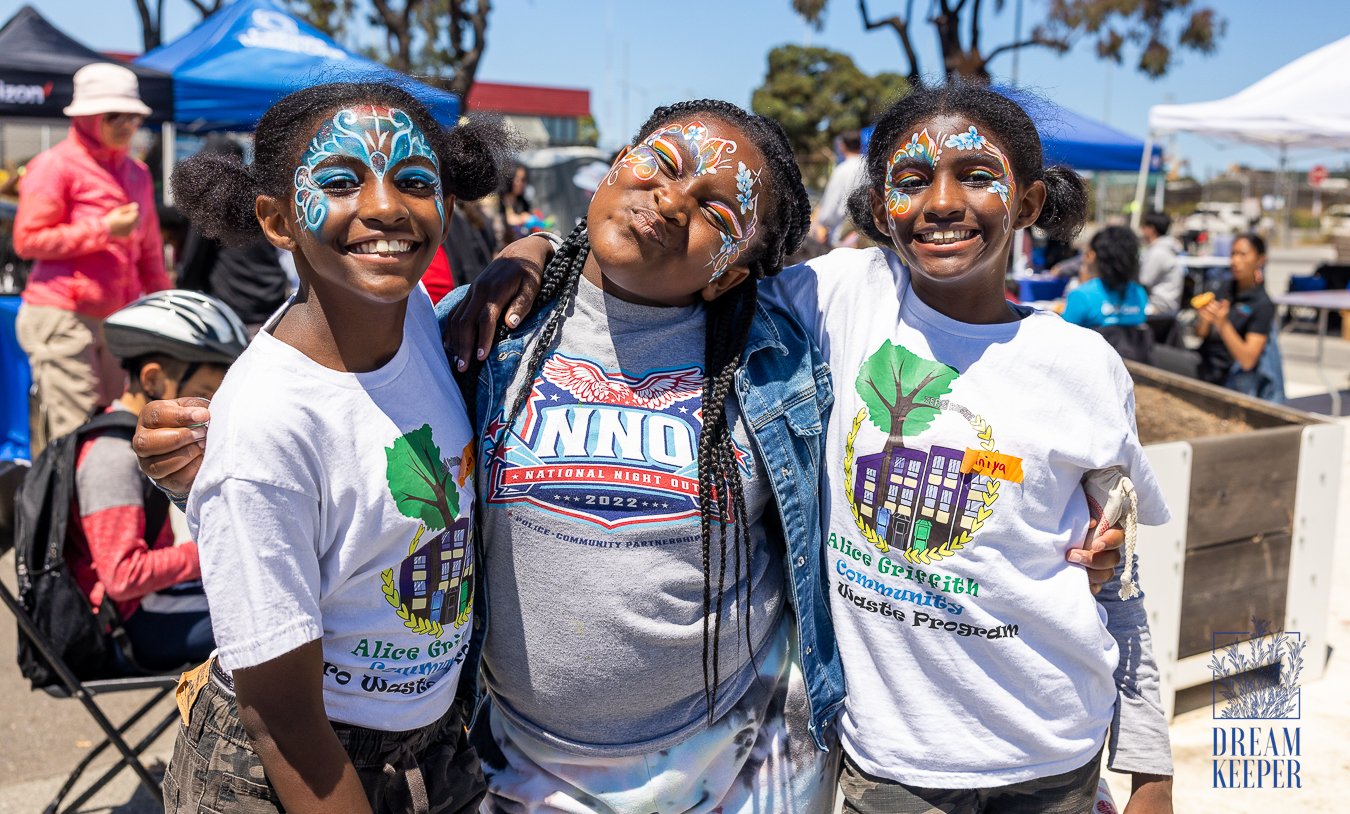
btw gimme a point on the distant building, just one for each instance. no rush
(544, 116)
(436, 580)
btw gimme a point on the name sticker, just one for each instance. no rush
(993, 464)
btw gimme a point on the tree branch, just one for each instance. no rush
(889, 407)
(901, 28)
(974, 24)
(398, 27)
(204, 8)
(149, 26)
(1053, 43)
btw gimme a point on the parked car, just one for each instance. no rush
(1336, 220)
(1210, 220)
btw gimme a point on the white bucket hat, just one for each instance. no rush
(105, 88)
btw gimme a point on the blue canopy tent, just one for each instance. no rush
(240, 60)
(1073, 139)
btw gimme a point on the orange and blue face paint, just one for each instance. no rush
(383, 139)
(925, 149)
(679, 147)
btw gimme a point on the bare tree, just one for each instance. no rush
(151, 13)
(442, 41)
(1111, 24)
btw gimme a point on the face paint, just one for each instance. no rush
(668, 148)
(920, 146)
(377, 136)
(678, 147)
(735, 236)
(972, 140)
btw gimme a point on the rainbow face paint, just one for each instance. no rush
(920, 147)
(924, 148)
(381, 138)
(736, 236)
(688, 148)
(669, 147)
(972, 140)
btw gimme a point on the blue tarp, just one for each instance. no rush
(240, 60)
(1075, 140)
(14, 375)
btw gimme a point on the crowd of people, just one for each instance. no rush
(752, 536)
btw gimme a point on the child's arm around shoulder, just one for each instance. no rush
(823, 288)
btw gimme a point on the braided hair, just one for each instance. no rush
(218, 193)
(1066, 198)
(721, 497)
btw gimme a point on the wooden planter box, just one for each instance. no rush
(1252, 535)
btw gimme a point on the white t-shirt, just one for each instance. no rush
(340, 506)
(975, 655)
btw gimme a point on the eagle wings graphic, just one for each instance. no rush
(655, 391)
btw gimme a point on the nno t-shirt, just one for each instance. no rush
(340, 506)
(594, 559)
(975, 655)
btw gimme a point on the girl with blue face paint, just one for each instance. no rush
(335, 510)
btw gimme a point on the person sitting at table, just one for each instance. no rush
(1160, 272)
(1238, 348)
(1110, 299)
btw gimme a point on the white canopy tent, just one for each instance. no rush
(1304, 105)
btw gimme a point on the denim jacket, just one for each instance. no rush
(784, 391)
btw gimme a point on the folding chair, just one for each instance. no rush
(115, 736)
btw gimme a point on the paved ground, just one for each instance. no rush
(41, 737)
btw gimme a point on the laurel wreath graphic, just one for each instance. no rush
(416, 625)
(929, 555)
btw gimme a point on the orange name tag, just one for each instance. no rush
(993, 464)
(190, 685)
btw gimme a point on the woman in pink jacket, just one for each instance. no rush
(87, 217)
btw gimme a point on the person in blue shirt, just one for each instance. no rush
(1113, 297)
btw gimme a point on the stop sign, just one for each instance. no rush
(1317, 175)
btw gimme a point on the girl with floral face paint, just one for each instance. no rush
(960, 462)
(964, 436)
(334, 512)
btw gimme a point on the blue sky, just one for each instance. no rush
(638, 54)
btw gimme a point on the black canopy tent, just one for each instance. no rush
(38, 62)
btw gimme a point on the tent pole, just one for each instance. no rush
(1137, 214)
(1160, 189)
(1288, 185)
(168, 152)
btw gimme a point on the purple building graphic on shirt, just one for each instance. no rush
(921, 501)
(436, 580)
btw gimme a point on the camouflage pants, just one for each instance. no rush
(1070, 793)
(214, 768)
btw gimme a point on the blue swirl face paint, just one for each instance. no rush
(379, 137)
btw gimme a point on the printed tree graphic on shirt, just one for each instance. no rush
(434, 583)
(421, 483)
(897, 386)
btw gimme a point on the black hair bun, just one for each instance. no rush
(1066, 202)
(218, 195)
(478, 154)
(859, 207)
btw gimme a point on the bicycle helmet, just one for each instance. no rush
(184, 325)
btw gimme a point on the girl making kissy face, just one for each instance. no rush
(659, 638)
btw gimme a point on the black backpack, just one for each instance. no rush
(92, 645)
